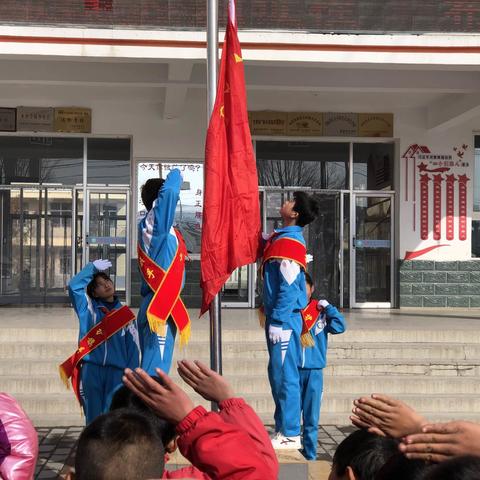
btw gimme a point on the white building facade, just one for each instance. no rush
(400, 209)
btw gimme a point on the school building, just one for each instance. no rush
(372, 106)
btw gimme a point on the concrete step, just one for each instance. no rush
(336, 367)
(430, 352)
(258, 384)
(201, 334)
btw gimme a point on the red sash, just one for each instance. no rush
(309, 315)
(166, 285)
(285, 248)
(114, 321)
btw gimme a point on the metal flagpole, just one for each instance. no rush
(212, 69)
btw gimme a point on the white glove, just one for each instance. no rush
(275, 334)
(309, 258)
(323, 303)
(101, 265)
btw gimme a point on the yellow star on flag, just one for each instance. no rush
(222, 113)
(238, 58)
(308, 317)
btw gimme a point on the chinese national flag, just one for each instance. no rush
(231, 210)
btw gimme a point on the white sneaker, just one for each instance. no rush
(281, 442)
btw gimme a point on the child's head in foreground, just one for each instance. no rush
(361, 455)
(119, 445)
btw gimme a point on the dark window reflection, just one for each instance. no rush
(373, 166)
(303, 164)
(108, 161)
(41, 160)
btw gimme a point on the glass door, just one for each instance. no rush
(371, 252)
(103, 233)
(36, 246)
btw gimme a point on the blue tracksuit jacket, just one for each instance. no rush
(284, 295)
(312, 362)
(157, 238)
(102, 369)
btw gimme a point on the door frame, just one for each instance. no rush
(353, 228)
(86, 191)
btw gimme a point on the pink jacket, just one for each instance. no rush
(18, 441)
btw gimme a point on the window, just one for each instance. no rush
(108, 161)
(476, 202)
(188, 216)
(318, 165)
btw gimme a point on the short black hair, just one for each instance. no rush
(125, 398)
(466, 467)
(150, 190)
(399, 467)
(308, 279)
(93, 284)
(365, 453)
(307, 208)
(119, 445)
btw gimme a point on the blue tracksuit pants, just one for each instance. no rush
(283, 374)
(99, 384)
(311, 385)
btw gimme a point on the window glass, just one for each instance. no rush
(44, 160)
(373, 166)
(188, 216)
(108, 161)
(303, 164)
(476, 202)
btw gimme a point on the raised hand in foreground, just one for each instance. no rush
(208, 383)
(167, 399)
(441, 441)
(386, 416)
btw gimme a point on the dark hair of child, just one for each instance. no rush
(150, 190)
(119, 445)
(466, 467)
(93, 284)
(125, 398)
(365, 453)
(307, 208)
(399, 467)
(308, 279)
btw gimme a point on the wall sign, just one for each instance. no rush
(73, 120)
(7, 119)
(35, 119)
(318, 124)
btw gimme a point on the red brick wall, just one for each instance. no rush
(311, 15)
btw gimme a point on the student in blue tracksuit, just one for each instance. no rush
(284, 296)
(313, 360)
(93, 296)
(157, 239)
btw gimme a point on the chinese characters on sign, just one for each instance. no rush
(188, 216)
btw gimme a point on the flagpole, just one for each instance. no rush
(212, 74)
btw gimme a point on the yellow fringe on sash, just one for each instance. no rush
(185, 336)
(307, 340)
(63, 377)
(261, 317)
(156, 325)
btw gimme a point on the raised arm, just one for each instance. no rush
(335, 320)
(166, 203)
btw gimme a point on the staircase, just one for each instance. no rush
(433, 365)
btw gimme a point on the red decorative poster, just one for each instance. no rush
(424, 179)
(437, 207)
(462, 207)
(105, 5)
(450, 206)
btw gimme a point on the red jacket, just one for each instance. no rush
(232, 444)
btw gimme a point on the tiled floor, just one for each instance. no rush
(57, 448)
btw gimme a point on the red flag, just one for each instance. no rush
(231, 210)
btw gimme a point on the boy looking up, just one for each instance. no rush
(284, 296)
(161, 259)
